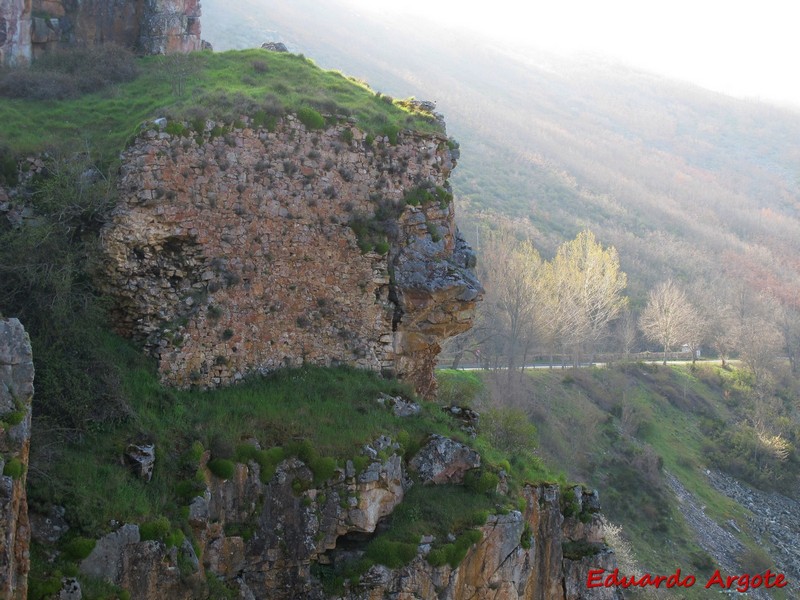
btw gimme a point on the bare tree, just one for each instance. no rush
(669, 319)
(508, 272)
(582, 288)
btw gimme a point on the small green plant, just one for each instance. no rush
(157, 529)
(310, 118)
(433, 230)
(79, 548)
(14, 468)
(222, 468)
(177, 128)
(526, 539)
(391, 553)
(14, 418)
(347, 135)
(382, 247)
(481, 481)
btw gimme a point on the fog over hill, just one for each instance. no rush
(684, 182)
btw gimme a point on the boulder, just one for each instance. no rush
(443, 460)
(105, 560)
(141, 458)
(274, 46)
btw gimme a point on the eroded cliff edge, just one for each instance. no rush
(244, 250)
(16, 393)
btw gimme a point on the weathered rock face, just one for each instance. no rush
(16, 393)
(15, 32)
(147, 26)
(443, 460)
(262, 539)
(238, 254)
(520, 556)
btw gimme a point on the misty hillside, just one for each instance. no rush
(684, 182)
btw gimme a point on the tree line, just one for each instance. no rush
(573, 307)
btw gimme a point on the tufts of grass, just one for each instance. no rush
(212, 88)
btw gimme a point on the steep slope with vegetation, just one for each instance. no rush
(311, 482)
(654, 440)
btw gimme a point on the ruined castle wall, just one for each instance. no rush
(29, 28)
(235, 253)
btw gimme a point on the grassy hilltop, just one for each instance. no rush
(96, 99)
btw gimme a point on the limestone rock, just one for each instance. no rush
(105, 560)
(16, 394)
(274, 46)
(48, 529)
(443, 460)
(141, 458)
(499, 566)
(70, 589)
(400, 406)
(15, 33)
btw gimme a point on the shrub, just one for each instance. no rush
(222, 468)
(391, 553)
(14, 418)
(14, 468)
(8, 164)
(509, 430)
(391, 132)
(79, 548)
(310, 118)
(267, 460)
(36, 85)
(157, 529)
(481, 481)
(323, 468)
(174, 538)
(347, 135)
(69, 73)
(526, 539)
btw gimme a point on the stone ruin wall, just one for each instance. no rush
(236, 254)
(29, 28)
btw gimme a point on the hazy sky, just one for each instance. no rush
(740, 47)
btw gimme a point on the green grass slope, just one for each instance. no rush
(103, 114)
(620, 429)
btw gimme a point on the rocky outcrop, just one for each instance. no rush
(16, 393)
(520, 556)
(443, 460)
(29, 28)
(251, 250)
(170, 27)
(15, 32)
(263, 540)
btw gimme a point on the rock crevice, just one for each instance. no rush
(16, 394)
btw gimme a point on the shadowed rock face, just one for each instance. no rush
(263, 538)
(146, 26)
(16, 393)
(239, 254)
